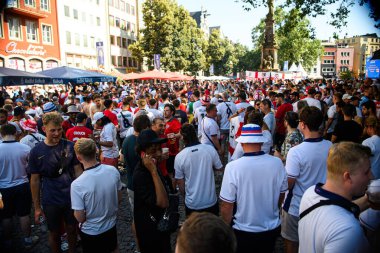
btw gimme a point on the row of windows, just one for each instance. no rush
(75, 16)
(122, 24)
(344, 53)
(32, 30)
(329, 53)
(44, 4)
(119, 41)
(34, 64)
(123, 6)
(328, 61)
(75, 39)
(345, 62)
(121, 61)
(343, 69)
(327, 69)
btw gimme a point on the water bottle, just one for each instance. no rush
(43, 225)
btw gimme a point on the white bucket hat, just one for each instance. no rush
(251, 133)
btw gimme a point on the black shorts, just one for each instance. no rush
(214, 209)
(170, 164)
(104, 242)
(17, 201)
(56, 214)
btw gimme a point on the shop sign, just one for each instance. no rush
(11, 48)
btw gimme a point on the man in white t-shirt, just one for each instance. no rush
(95, 198)
(225, 110)
(125, 119)
(332, 116)
(256, 184)
(311, 101)
(152, 108)
(14, 187)
(194, 173)
(242, 102)
(269, 118)
(107, 139)
(334, 227)
(4, 121)
(210, 133)
(305, 166)
(200, 113)
(373, 142)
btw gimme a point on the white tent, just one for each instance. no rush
(302, 70)
(293, 68)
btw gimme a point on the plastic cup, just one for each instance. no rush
(373, 191)
(165, 151)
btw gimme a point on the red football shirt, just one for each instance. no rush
(280, 117)
(78, 132)
(173, 126)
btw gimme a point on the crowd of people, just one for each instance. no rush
(294, 159)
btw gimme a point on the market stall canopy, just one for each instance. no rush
(154, 74)
(179, 77)
(9, 77)
(130, 76)
(65, 75)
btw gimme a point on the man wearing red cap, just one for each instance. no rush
(32, 136)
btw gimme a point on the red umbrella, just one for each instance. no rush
(180, 77)
(130, 76)
(154, 74)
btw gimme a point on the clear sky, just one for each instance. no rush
(236, 23)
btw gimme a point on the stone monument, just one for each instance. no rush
(269, 48)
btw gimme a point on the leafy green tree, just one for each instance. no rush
(295, 38)
(315, 8)
(247, 59)
(346, 75)
(215, 50)
(198, 47)
(171, 32)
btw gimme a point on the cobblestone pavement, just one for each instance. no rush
(125, 237)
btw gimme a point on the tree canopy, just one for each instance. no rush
(321, 7)
(295, 38)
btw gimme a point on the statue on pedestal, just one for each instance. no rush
(269, 48)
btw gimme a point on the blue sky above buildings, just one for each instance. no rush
(237, 23)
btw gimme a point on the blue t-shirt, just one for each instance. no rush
(57, 174)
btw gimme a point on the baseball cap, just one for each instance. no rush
(149, 136)
(346, 96)
(97, 116)
(49, 107)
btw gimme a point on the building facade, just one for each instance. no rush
(123, 22)
(344, 58)
(83, 31)
(364, 46)
(29, 37)
(328, 63)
